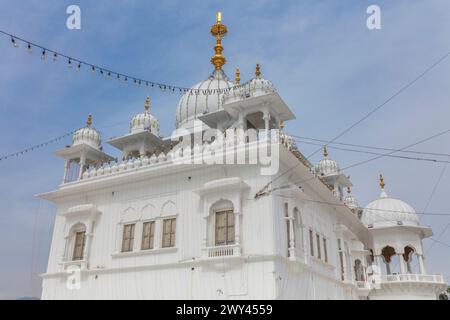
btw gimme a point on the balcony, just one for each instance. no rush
(233, 250)
(409, 277)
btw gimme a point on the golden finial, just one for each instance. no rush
(218, 30)
(382, 184)
(147, 104)
(238, 76)
(281, 125)
(325, 151)
(89, 120)
(258, 71)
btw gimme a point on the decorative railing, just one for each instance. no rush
(411, 277)
(248, 90)
(223, 251)
(183, 154)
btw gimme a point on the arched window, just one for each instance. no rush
(78, 241)
(298, 228)
(408, 256)
(288, 230)
(224, 223)
(387, 253)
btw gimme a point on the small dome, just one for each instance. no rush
(258, 86)
(87, 135)
(145, 121)
(350, 200)
(327, 167)
(202, 99)
(387, 211)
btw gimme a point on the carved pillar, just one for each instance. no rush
(421, 264)
(266, 119)
(402, 264)
(82, 165)
(291, 238)
(66, 170)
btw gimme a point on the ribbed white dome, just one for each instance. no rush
(387, 211)
(88, 136)
(193, 104)
(327, 167)
(144, 121)
(351, 201)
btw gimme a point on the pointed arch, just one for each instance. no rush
(408, 256)
(388, 253)
(169, 208)
(149, 211)
(130, 214)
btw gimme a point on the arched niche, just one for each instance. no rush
(222, 212)
(130, 214)
(169, 209)
(388, 254)
(149, 212)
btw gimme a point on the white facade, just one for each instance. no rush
(150, 227)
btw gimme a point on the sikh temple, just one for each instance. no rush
(226, 208)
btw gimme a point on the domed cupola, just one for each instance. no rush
(145, 121)
(327, 167)
(350, 200)
(202, 98)
(87, 135)
(258, 86)
(206, 96)
(388, 212)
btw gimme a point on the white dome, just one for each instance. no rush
(327, 167)
(351, 201)
(88, 136)
(388, 212)
(195, 103)
(144, 121)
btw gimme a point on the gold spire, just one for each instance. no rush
(218, 30)
(258, 71)
(238, 76)
(325, 151)
(382, 184)
(281, 125)
(147, 104)
(89, 120)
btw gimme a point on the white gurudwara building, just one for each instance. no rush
(231, 223)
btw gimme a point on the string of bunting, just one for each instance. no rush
(79, 64)
(37, 146)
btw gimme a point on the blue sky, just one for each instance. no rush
(329, 68)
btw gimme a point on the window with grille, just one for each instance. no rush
(168, 239)
(224, 228)
(128, 238)
(80, 241)
(148, 235)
